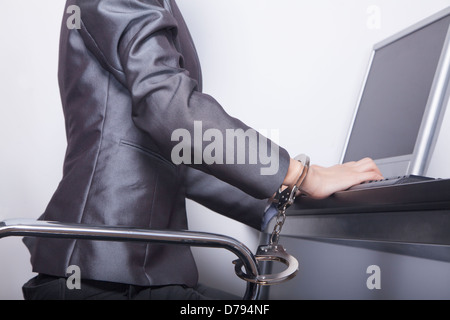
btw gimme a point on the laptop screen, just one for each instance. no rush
(395, 94)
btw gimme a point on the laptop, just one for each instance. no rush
(402, 102)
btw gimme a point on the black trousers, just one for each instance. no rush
(44, 287)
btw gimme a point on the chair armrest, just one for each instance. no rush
(50, 229)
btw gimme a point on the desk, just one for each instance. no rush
(411, 220)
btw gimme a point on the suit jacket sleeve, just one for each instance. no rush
(225, 199)
(137, 42)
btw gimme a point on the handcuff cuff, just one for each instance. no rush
(273, 251)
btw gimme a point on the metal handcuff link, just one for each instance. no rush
(273, 251)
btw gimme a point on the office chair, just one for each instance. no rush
(246, 259)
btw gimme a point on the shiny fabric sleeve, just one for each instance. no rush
(225, 199)
(137, 42)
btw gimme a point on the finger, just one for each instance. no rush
(350, 163)
(367, 164)
(369, 176)
(366, 159)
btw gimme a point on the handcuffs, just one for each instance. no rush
(273, 251)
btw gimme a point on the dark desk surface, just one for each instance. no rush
(412, 219)
(426, 195)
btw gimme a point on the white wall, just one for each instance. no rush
(31, 124)
(291, 65)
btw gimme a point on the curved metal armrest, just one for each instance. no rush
(25, 227)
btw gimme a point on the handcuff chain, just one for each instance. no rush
(275, 236)
(285, 198)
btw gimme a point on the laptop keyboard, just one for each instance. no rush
(390, 181)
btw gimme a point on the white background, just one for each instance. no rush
(291, 65)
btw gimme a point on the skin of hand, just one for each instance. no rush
(322, 182)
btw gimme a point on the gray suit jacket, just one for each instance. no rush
(128, 78)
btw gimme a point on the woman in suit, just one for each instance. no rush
(129, 78)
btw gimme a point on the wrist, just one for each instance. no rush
(294, 171)
(308, 185)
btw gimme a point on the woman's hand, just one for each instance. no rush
(322, 182)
